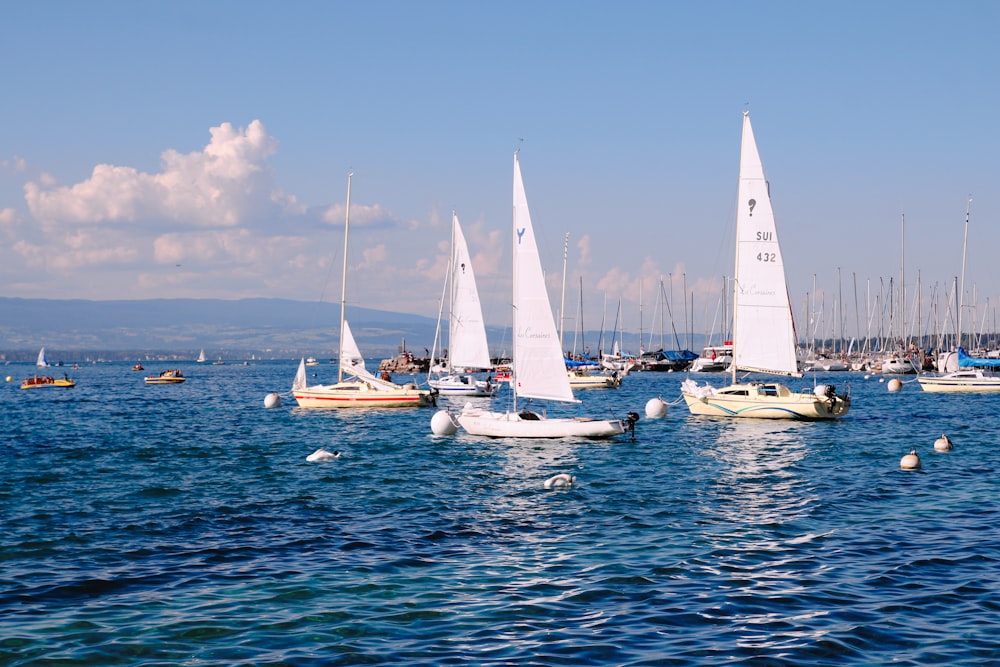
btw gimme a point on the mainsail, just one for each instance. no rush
(763, 331)
(539, 370)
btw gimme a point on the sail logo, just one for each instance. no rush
(520, 233)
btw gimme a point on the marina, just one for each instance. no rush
(187, 526)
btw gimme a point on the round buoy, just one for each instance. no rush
(656, 408)
(442, 423)
(323, 455)
(943, 444)
(895, 386)
(272, 401)
(560, 481)
(911, 461)
(867, 376)
(881, 379)
(9, 378)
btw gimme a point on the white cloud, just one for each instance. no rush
(225, 185)
(15, 165)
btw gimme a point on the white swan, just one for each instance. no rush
(323, 455)
(560, 481)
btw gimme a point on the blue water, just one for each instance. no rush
(182, 525)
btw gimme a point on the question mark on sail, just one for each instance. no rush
(752, 203)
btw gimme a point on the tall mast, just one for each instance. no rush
(562, 303)
(343, 282)
(965, 244)
(902, 284)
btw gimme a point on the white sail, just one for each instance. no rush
(41, 359)
(539, 369)
(350, 356)
(764, 334)
(201, 356)
(468, 347)
(300, 381)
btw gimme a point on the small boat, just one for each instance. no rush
(311, 361)
(963, 381)
(362, 389)
(468, 348)
(584, 377)
(41, 363)
(714, 359)
(201, 357)
(38, 381)
(763, 329)
(138, 367)
(172, 376)
(539, 370)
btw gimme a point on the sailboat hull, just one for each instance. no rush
(462, 385)
(361, 395)
(961, 382)
(532, 425)
(765, 401)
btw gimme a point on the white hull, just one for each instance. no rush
(351, 394)
(898, 366)
(764, 401)
(586, 380)
(961, 382)
(533, 425)
(463, 385)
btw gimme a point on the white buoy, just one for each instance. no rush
(442, 423)
(943, 444)
(895, 386)
(560, 481)
(272, 401)
(867, 376)
(323, 455)
(911, 461)
(9, 378)
(656, 408)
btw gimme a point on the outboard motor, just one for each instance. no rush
(631, 419)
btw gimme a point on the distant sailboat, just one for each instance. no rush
(362, 390)
(763, 330)
(467, 344)
(201, 356)
(41, 363)
(538, 368)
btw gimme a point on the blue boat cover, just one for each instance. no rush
(965, 360)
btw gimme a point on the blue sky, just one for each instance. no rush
(188, 149)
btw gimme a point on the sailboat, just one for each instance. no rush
(41, 363)
(362, 389)
(201, 357)
(763, 330)
(538, 370)
(974, 374)
(468, 347)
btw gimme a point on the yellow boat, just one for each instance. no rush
(166, 377)
(36, 381)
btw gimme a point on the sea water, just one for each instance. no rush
(182, 525)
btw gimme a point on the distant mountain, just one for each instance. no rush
(79, 330)
(226, 328)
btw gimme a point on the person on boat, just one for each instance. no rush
(386, 376)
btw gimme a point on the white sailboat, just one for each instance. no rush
(763, 330)
(974, 375)
(362, 389)
(201, 357)
(538, 369)
(468, 347)
(41, 363)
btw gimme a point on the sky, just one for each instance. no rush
(202, 149)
